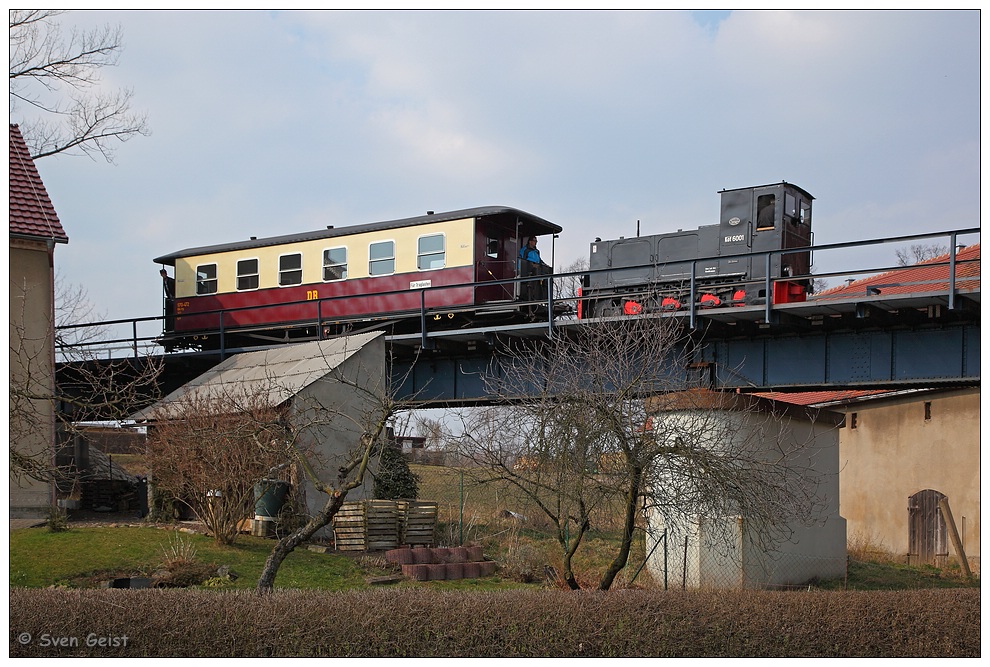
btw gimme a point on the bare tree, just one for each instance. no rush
(606, 418)
(55, 87)
(369, 422)
(58, 376)
(919, 253)
(211, 455)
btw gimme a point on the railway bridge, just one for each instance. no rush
(897, 327)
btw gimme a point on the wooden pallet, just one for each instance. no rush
(380, 525)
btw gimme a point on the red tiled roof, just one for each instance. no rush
(31, 211)
(929, 276)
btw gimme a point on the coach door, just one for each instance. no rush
(495, 254)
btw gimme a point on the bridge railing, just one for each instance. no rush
(143, 336)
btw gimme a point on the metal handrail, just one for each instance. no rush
(225, 313)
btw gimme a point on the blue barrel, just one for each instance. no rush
(269, 496)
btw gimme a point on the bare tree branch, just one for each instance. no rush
(58, 80)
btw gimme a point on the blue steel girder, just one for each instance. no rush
(928, 356)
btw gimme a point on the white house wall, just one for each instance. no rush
(727, 552)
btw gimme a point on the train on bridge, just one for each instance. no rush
(475, 267)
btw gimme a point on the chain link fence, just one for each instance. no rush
(493, 513)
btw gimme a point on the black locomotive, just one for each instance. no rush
(653, 273)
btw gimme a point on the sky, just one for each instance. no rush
(269, 122)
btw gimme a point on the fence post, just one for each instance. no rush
(461, 540)
(684, 574)
(665, 559)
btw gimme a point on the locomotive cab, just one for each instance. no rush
(767, 218)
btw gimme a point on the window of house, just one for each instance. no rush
(381, 258)
(430, 252)
(853, 420)
(247, 274)
(206, 279)
(334, 264)
(290, 269)
(928, 411)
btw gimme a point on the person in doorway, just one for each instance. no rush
(531, 264)
(168, 285)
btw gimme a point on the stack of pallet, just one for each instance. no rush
(380, 525)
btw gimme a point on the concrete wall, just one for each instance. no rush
(734, 551)
(889, 451)
(32, 423)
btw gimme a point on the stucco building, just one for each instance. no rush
(35, 230)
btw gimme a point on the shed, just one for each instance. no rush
(730, 552)
(328, 387)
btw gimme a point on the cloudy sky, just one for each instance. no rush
(270, 123)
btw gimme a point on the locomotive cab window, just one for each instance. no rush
(381, 258)
(430, 252)
(290, 270)
(206, 279)
(334, 264)
(492, 247)
(247, 274)
(805, 212)
(790, 208)
(766, 211)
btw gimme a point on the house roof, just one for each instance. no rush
(32, 214)
(928, 276)
(270, 376)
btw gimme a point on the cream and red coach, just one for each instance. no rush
(284, 287)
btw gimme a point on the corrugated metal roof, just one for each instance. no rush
(31, 211)
(280, 373)
(531, 224)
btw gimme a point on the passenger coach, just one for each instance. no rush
(288, 287)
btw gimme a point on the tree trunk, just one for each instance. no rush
(288, 543)
(632, 496)
(569, 552)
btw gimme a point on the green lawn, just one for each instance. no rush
(86, 556)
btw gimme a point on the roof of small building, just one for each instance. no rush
(929, 276)
(32, 214)
(270, 376)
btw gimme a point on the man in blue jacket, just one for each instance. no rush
(531, 264)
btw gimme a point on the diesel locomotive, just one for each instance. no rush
(629, 276)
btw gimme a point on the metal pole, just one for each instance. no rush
(952, 271)
(665, 559)
(461, 542)
(684, 575)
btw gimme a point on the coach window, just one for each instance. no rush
(247, 274)
(206, 279)
(290, 270)
(381, 256)
(334, 264)
(430, 252)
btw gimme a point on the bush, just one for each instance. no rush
(427, 623)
